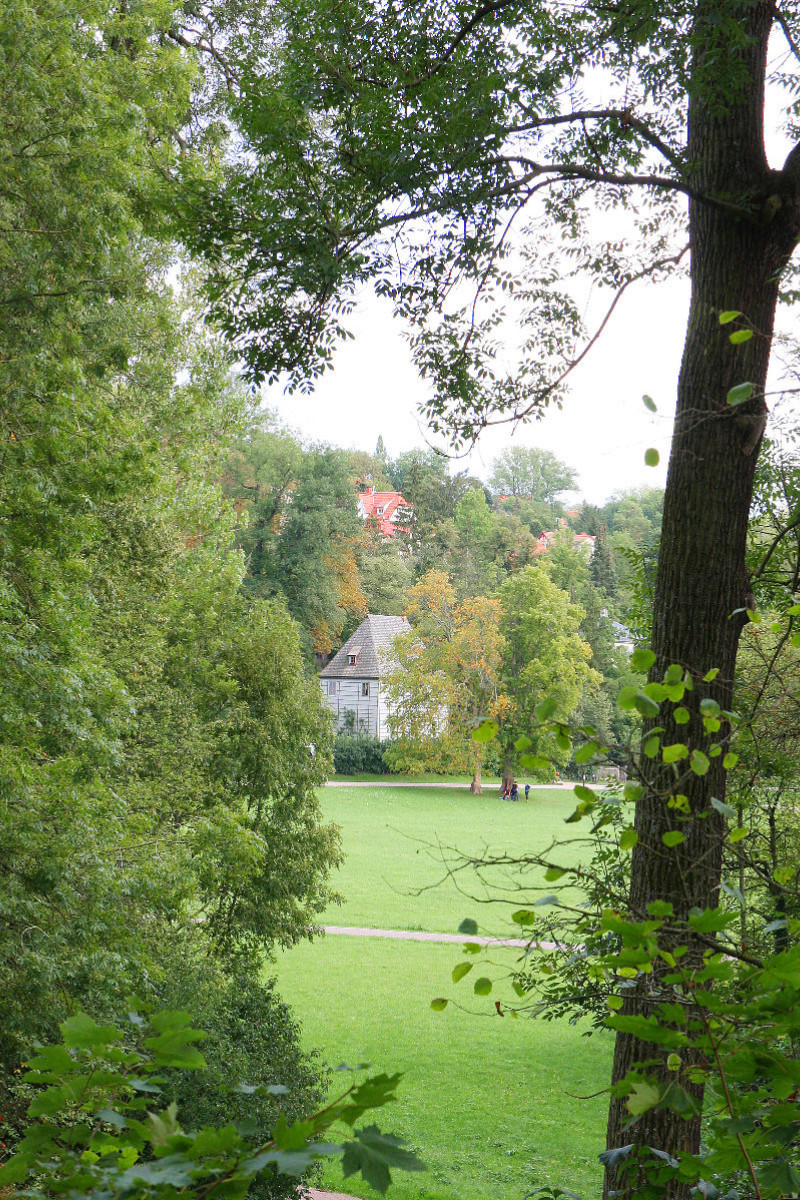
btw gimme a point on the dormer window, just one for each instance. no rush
(380, 512)
(352, 659)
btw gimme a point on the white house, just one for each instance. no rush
(351, 682)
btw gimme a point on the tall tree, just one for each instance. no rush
(446, 680)
(440, 127)
(528, 473)
(545, 658)
(301, 529)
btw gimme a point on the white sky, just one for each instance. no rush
(602, 431)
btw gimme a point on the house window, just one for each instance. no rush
(333, 687)
(365, 689)
(380, 512)
(351, 659)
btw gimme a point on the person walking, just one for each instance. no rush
(527, 790)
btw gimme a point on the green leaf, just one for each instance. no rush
(50, 1102)
(632, 791)
(372, 1153)
(729, 315)
(535, 762)
(586, 752)
(651, 746)
(699, 762)
(730, 760)
(673, 837)
(628, 838)
(468, 926)
(439, 1004)
(553, 873)
(460, 970)
(584, 793)
(482, 986)
(523, 743)
(740, 393)
(675, 752)
(544, 710)
(643, 1097)
(627, 697)
(485, 732)
(778, 1177)
(646, 706)
(736, 835)
(722, 807)
(739, 336)
(523, 916)
(681, 716)
(709, 707)
(711, 675)
(649, 403)
(82, 1033)
(651, 457)
(710, 920)
(642, 659)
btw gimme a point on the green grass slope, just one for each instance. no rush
(485, 1100)
(391, 837)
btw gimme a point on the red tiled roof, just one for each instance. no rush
(389, 502)
(545, 541)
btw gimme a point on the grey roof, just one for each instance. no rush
(372, 641)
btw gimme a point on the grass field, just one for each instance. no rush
(390, 837)
(484, 1100)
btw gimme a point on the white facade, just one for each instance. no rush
(351, 681)
(360, 697)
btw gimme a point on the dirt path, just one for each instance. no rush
(464, 787)
(419, 935)
(315, 1194)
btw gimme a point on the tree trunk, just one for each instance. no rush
(508, 768)
(476, 787)
(701, 578)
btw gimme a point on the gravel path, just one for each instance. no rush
(487, 790)
(419, 935)
(315, 1194)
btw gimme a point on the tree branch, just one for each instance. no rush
(787, 33)
(623, 115)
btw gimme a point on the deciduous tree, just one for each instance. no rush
(437, 132)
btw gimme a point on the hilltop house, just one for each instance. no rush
(351, 682)
(546, 540)
(383, 507)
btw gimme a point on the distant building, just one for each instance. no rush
(352, 680)
(546, 540)
(623, 638)
(383, 507)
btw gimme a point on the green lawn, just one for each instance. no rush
(391, 834)
(484, 1100)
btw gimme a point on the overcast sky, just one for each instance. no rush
(602, 431)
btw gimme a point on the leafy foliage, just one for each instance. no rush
(96, 1132)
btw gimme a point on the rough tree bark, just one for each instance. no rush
(701, 578)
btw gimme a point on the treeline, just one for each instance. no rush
(458, 540)
(160, 743)
(303, 540)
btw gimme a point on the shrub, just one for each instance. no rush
(359, 752)
(252, 1038)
